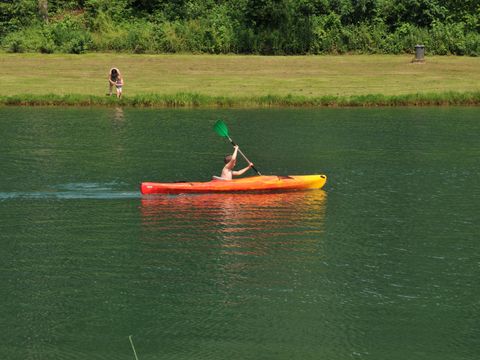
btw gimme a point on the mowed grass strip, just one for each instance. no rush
(229, 80)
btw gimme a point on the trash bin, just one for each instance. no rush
(419, 53)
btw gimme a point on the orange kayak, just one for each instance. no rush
(247, 184)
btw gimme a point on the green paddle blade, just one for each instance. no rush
(220, 128)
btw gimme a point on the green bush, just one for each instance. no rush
(472, 44)
(210, 35)
(69, 35)
(134, 36)
(66, 35)
(17, 15)
(193, 34)
(359, 39)
(220, 31)
(25, 40)
(246, 41)
(168, 39)
(108, 35)
(327, 35)
(116, 11)
(137, 37)
(246, 26)
(47, 45)
(405, 37)
(14, 43)
(448, 39)
(140, 37)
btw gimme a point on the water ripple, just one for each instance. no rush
(73, 191)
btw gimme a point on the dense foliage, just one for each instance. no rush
(241, 26)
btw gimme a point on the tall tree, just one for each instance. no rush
(43, 9)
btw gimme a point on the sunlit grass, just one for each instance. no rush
(199, 100)
(224, 80)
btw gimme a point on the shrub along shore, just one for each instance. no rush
(239, 80)
(267, 27)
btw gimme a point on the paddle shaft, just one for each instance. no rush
(241, 153)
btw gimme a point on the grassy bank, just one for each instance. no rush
(199, 100)
(247, 81)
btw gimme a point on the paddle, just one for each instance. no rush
(221, 129)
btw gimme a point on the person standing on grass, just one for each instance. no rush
(115, 79)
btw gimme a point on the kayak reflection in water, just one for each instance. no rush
(230, 162)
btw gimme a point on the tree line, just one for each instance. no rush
(267, 27)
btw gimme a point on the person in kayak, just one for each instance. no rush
(230, 162)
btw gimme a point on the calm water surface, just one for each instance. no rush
(384, 263)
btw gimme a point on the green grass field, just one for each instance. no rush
(183, 80)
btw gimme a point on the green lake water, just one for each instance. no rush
(383, 263)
